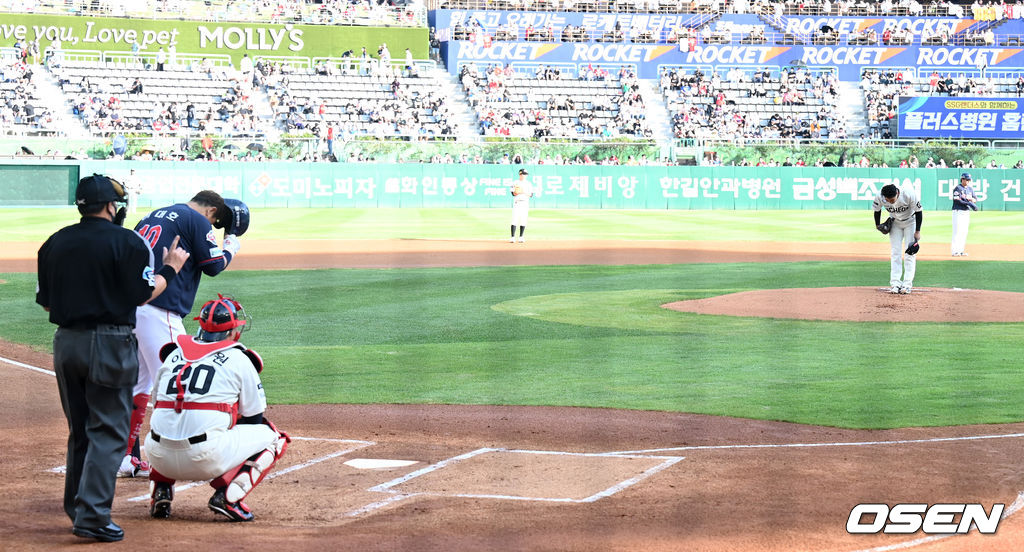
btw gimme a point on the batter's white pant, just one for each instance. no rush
(222, 450)
(154, 328)
(902, 266)
(961, 222)
(520, 212)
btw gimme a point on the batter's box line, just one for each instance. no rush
(386, 487)
(271, 475)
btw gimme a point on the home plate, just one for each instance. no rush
(378, 463)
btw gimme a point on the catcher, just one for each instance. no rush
(903, 227)
(208, 418)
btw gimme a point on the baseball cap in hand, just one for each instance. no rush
(99, 189)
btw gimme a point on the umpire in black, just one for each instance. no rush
(92, 275)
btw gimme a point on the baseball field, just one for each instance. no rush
(625, 380)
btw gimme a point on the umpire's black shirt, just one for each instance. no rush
(94, 272)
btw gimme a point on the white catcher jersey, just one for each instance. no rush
(902, 211)
(221, 373)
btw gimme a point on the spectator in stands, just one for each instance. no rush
(161, 58)
(136, 87)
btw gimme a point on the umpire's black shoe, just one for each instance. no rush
(235, 511)
(160, 502)
(111, 533)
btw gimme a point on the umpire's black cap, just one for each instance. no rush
(99, 189)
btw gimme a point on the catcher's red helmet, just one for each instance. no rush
(218, 317)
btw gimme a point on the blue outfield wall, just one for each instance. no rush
(557, 187)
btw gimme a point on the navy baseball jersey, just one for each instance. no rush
(159, 229)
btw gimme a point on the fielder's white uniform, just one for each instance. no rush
(521, 202)
(901, 266)
(217, 375)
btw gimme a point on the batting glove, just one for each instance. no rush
(231, 244)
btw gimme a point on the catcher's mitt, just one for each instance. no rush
(886, 226)
(913, 249)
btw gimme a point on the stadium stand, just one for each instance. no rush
(22, 109)
(374, 97)
(109, 97)
(549, 102)
(381, 100)
(882, 89)
(759, 103)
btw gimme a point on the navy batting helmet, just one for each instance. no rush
(965, 176)
(237, 220)
(218, 317)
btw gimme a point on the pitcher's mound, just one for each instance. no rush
(861, 304)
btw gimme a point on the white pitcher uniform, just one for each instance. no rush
(521, 202)
(902, 266)
(201, 441)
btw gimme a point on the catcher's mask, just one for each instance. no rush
(218, 317)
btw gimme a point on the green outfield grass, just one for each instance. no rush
(993, 227)
(596, 336)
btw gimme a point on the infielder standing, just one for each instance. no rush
(159, 322)
(522, 191)
(964, 201)
(208, 422)
(905, 209)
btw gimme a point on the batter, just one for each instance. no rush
(159, 322)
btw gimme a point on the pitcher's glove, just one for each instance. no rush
(886, 226)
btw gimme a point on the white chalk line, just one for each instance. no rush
(811, 445)
(272, 475)
(667, 461)
(384, 487)
(28, 366)
(1017, 505)
(1013, 509)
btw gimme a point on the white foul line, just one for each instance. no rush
(809, 445)
(1017, 505)
(30, 367)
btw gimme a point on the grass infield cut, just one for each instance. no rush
(596, 336)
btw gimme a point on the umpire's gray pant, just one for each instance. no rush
(96, 370)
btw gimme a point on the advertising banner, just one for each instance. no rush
(648, 57)
(960, 117)
(204, 37)
(556, 187)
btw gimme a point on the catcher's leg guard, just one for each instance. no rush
(241, 480)
(139, 404)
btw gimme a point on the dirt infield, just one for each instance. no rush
(518, 478)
